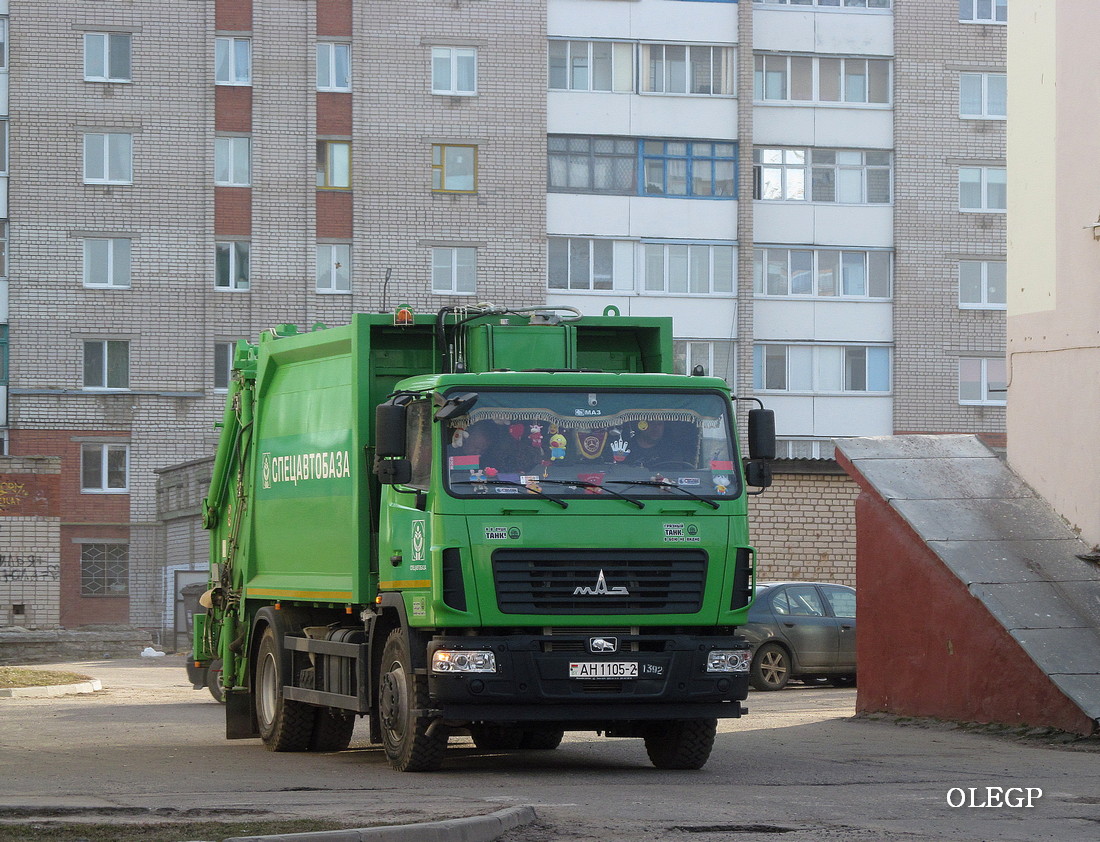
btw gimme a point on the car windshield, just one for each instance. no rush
(564, 444)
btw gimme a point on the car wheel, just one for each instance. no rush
(771, 668)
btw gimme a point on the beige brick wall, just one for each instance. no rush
(804, 528)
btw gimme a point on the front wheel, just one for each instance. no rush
(681, 743)
(771, 668)
(402, 706)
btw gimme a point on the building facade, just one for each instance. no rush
(1054, 260)
(809, 187)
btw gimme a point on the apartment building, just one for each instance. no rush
(809, 187)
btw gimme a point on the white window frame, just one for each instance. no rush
(985, 186)
(454, 270)
(984, 82)
(817, 265)
(798, 447)
(114, 273)
(233, 161)
(983, 11)
(446, 70)
(3, 46)
(101, 378)
(223, 365)
(589, 265)
(112, 162)
(328, 66)
(798, 169)
(100, 47)
(331, 258)
(688, 353)
(230, 66)
(4, 145)
(594, 66)
(3, 254)
(982, 268)
(767, 64)
(97, 456)
(884, 5)
(333, 164)
(985, 384)
(238, 251)
(821, 369)
(662, 263)
(658, 74)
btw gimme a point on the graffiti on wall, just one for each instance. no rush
(30, 495)
(12, 493)
(28, 568)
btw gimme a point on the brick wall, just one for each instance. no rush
(30, 562)
(804, 526)
(931, 234)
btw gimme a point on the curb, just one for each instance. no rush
(472, 829)
(50, 690)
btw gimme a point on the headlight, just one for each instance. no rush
(729, 660)
(464, 661)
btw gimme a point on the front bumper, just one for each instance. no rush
(532, 682)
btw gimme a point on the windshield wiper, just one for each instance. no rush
(534, 491)
(655, 484)
(578, 483)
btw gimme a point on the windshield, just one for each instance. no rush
(582, 443)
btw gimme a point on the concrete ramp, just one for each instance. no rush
(973, 604)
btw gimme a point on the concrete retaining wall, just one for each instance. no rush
(21, 646)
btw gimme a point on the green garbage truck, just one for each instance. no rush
(501, 524)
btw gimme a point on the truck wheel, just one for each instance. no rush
(541, 739)
(285, 725)
(681, 743)
(332, 730)
(771, 668)
(403, 700)
(213, 681)
(496, 737)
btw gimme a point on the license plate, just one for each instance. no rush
(604, 669)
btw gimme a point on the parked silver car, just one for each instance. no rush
(802, 630)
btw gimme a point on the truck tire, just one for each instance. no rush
(332, 730)
(403, 700)
(681, 743)
(213, 681)
(496, 737)
(285, 725)
(541, 739)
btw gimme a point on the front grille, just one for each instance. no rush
(593, 581)
(576, 639)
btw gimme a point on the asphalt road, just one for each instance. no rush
(800, 766)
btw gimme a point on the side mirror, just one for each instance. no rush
(761, 434)
(393, 471)
(389, 430)
(758, 474)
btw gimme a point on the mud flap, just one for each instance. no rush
(240, 716)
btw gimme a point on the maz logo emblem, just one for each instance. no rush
(601, 589)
